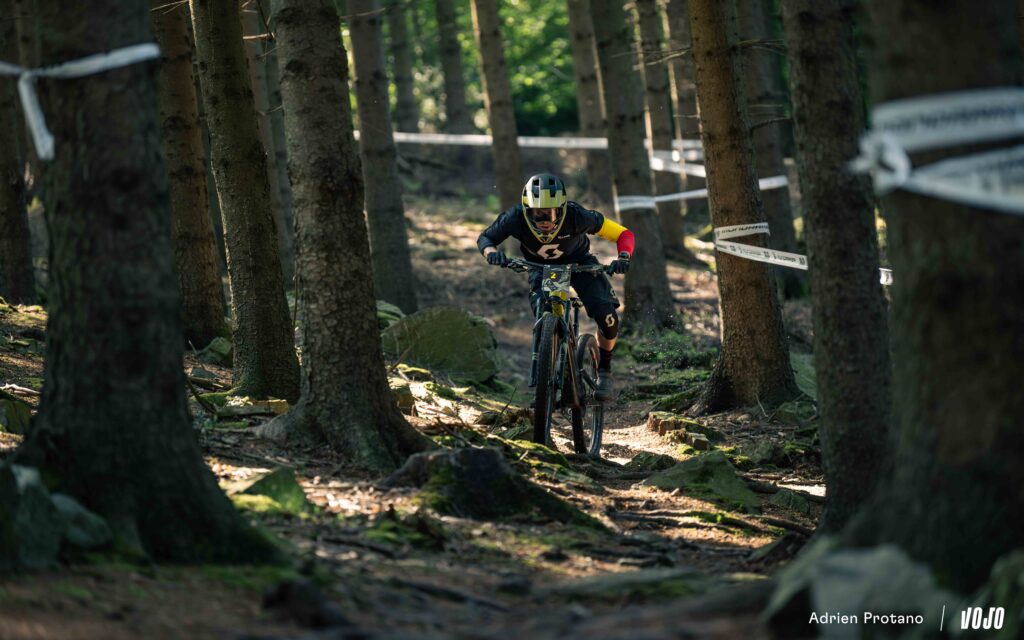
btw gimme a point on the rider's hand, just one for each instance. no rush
(497, 258)
(620, 265)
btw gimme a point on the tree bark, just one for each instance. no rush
(456, 113)
(195, 249)
(753, 366)
(684, 90)
(765, 100)
(278, 147)
(407, 112)
(648, 300)
(345, 396)
(589, 101)
(113, 427)
(389, 240)
(851, 338)
(659, 128)
(256, 47)
(17, 281)
(957, 312)
(265, 361)
(501, 113)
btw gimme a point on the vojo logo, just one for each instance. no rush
(978, 618)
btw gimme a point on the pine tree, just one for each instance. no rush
(589, 101)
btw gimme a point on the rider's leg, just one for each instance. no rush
(595, 291)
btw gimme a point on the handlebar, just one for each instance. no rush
(519, 266)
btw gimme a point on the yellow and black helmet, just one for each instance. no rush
(543, 192)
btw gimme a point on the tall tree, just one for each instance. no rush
(589, 101)
(957, 312)
(501, 113)
(407, 112)
(389, 238)
(765, 98)
(648, 299)
(753, 366)
(684, 88)
(851, 340)
(265, 361)
(17, 282)
(113, 427)
(256, 38)
(277, 144)
(659, 126)
(195, 249)
(456, 113)
(345, 397)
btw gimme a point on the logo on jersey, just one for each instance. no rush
(550, 251)
(609, 320)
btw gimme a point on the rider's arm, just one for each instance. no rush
(495, 234)
(620, 235)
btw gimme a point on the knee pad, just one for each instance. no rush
(608, 323)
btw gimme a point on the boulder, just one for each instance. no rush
(480, 484)
(85, 529)
(708, 476)
(665, 421)
(31, 526)
(402, 392)
(446, 340)
(219, 352)
(647, 461)
(278, 485)
(388, 314)
(698, 441)
(791, 501)
(15, 414)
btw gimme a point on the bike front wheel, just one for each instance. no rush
(547, 369)
(588, 419)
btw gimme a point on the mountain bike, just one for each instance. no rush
(564, 363)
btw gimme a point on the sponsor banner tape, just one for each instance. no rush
(989, 179)
(42, 139)
(624, 203)
(544, 142)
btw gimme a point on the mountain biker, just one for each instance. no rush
(552, 229)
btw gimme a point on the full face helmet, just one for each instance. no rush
(544, 205)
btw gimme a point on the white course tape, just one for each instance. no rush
(991, 179)
(624, 203)
(89, 65)
(764, 254)
(693, 147)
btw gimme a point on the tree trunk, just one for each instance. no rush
(851, 339)
(113, 427)
(765, 100)
(456, 113)
(17, 281)
(389, 240)
(407, 112)
(648, 300)
(265, 361)
(684, 90)
(753, 366)
(26, 20)
(501, 114)
(955, 497)
(278, 148)
(195, 249)
(254, 28)
(589, 101)
(659, 128)
(345, 396)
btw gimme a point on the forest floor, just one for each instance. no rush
(661, 563)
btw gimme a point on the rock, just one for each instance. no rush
(31, 526)
(480, 484)
(711, 433)
(698, 441)
(15, 414)
(201, 373)
(445, 340)
(387, 314)
(402, 392)
(708, 476)
(219, 352)
(647, 461)
(795, 412)
(85, 529)
(760, 452)
(791, 500)
(279, 485)
(664, 421)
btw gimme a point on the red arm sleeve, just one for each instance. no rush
(626, 242)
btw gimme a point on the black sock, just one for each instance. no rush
(604, 360)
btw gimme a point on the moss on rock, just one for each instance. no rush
(708, 476)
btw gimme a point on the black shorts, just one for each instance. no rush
(593, 289)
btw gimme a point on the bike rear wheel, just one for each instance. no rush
(547, 365)
(588, 419)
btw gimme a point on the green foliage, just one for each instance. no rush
(673, 350)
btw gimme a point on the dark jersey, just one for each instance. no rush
(570, 244)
